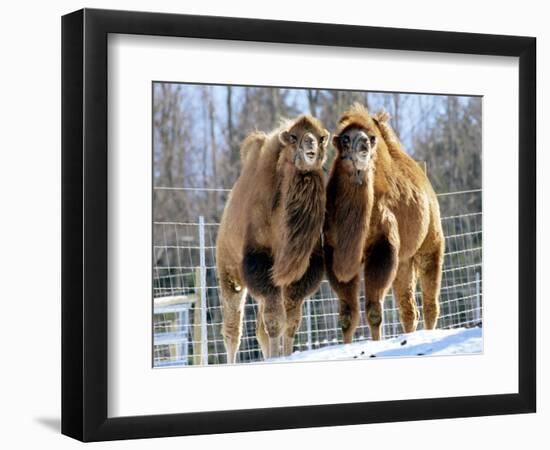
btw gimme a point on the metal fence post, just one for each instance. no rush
(477, 307)
(197, 314)
(180, 348)
(204, 329)
(393, 308)
(308, 324)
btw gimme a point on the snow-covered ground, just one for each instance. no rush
(420, 343)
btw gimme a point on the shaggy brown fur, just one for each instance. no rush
(382, 215)
(269, 241)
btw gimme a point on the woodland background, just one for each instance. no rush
(198, 130)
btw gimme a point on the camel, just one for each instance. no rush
(382, 217)
(269, 241)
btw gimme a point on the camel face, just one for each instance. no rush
(303, 147)
(308, 149)
(357, 146)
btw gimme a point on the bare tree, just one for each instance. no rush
(313, 100)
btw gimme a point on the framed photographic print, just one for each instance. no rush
(274, 224)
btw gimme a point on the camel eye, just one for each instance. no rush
(345, 139)
(292, 138)
(372, 140)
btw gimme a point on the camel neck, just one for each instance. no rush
(355, 184)
(351, 201)
(302, 209)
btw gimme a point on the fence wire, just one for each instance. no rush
(187, 310)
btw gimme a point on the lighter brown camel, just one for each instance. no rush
(269, 241)
(382, 216)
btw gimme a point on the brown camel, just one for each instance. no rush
(382, 214)
(269, 241)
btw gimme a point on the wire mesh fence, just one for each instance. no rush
(187, 309)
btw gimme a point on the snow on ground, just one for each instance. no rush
(420, 343)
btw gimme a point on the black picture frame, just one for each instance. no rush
(84, 224)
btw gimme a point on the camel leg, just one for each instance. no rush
(350, 313)
(380, 270)
(256, 269)
(404, 287)
(274, 319)
(293, 317)
(374, 308)
(233, 296)
(293, 310)
(261, 335)
(348, 296)
(295, 293)
(430, 270)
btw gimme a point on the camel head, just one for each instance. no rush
(304, 143)
(357, 138)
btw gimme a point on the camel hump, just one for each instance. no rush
(382, 119)
(252, 144)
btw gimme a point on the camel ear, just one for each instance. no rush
(373, 139)
(325, 139)
(286, 138)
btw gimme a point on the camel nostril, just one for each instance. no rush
(363, 148)
(362, 155)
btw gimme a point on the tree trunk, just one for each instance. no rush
(213, 148)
